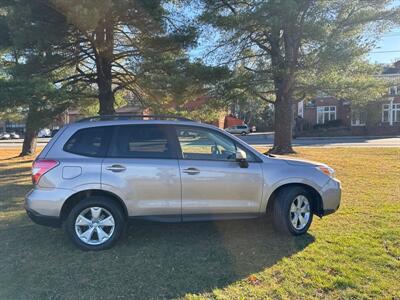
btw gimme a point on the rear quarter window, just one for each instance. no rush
(89, 141)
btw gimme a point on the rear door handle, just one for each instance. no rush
(191, 171)
(116, 168)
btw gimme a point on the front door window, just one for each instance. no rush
(204, 144)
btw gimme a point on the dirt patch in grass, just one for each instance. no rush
(351, 254)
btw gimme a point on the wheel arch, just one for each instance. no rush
(316, 198)
(81, 195)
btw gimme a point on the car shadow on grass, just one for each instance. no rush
(151, 261)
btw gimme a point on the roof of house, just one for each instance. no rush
(393, 69)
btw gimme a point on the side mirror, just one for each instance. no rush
(241, 158)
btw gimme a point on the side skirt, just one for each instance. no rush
(196, 217)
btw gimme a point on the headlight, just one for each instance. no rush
(326, 170)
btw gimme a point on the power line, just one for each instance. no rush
(391, 34)
(387, 51)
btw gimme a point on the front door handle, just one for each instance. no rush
(191, 171)
(116, 168)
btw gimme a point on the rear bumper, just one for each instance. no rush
(47, 202)
(331, 195)
(43, 220)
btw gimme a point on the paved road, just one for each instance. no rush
(267, 139)
(18, 143)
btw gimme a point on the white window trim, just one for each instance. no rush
(395, 109)
(396, 90)
(390, 112)
(300, 109)
(323, 113)
(383, 113)
(357, 122)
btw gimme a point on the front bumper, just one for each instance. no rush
(331, 194)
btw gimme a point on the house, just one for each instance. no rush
(331, 116)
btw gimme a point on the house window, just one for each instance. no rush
(358, 117)
(385, 112)
(325, 114)
(396, 112)
(393, 90)
(391, 115)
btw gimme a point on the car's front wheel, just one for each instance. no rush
(292, 210)
(95, 223)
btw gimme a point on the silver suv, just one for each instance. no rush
(97, 173)
(238, 129)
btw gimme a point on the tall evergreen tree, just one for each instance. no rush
(278, 43)
(116, 44)
(31, 60)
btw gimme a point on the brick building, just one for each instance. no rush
(332, 116)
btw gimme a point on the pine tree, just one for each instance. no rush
(278, 43)
(116, 45)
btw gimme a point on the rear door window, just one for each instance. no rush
(141, 141)
(89, 141)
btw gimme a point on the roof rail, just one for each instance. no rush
(130, 117)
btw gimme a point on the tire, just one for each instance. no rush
(282, 216)
(104, 231)
(244, 133)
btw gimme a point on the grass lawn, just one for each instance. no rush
(354, 253)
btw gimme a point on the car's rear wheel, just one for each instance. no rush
(95, 223)
(292, 211)
(243, 133)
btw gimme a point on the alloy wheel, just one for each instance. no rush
(300, 212)
(94, 225)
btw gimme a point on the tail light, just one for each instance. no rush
(40, 167)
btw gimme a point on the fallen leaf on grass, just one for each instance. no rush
(253, 280)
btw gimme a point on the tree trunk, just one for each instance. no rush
(104, 56)
(283, 126)
(29, 144)
(106, 95)
(283, 66)
(285, 44)
(283, 115)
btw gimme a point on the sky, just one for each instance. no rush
(387, 49)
